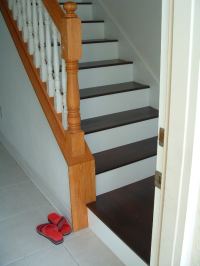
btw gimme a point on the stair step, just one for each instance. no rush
(105, 122)
(128, 213)
(100, 51)
(93, 21)
(78, 3)
(92, 41)
(104, 63)
(84, 3)
(111, 89)
(125, 155)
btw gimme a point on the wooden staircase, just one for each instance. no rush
(115, 134)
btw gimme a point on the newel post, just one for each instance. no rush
(72, 52)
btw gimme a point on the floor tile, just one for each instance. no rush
(88, 250)
(11, 176)
(19, 198)
(19, 237)
(54, 256)
(22, 208)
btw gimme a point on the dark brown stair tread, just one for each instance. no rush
(105, 122)
(125, 155)
(99, 41)
(99, 64)
(78, 3)
(84, 3)
(111, 89)
(93, 21)
(128, 212)
(104, 63)
(92, 41)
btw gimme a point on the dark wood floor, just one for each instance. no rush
(128, 212)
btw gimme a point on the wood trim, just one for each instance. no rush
(83, 191)
(81, 168)
(55, 12)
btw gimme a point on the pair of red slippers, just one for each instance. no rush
(57, 227)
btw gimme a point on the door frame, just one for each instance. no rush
(179, 88)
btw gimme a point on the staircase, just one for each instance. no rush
(120, 128)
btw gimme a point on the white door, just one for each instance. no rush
(165, 79)
(172, 240)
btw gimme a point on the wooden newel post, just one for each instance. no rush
(72, 52)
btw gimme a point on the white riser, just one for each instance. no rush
(94, 77)
(100, 51)
(113, 242)
(112, 138)
(115, 103)
(126, 175)
(93, 31)
(85, 12)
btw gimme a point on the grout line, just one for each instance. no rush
(75, 260)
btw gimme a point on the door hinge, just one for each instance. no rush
(158, 179)
(161, 136)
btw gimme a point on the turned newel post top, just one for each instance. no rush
(70, 8)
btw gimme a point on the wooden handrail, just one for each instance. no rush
(80, 161)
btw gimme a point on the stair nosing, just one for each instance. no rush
(123, 62)
(93, 41)
(88, 42)
(92, 21)
(79, 3)
(122, 123)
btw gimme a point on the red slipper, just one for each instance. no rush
(50, 231)
(61, 222)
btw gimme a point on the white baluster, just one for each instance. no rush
(19, 15)
(36, 34)
(64, 96)
(43, 66)
(50, 81)
(30, 27)
(10, 4)
(15, 9)
(24, 19)
(58, 96)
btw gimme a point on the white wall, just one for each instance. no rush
(137, 24)
(25, 131)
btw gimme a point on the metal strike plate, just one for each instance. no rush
(158, 179)
(161, 137)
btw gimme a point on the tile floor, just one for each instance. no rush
(22, 207)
